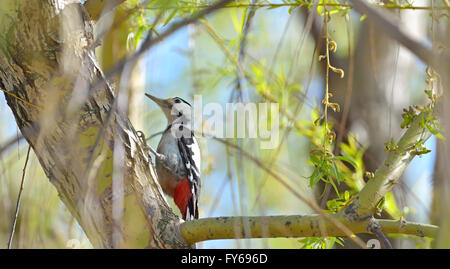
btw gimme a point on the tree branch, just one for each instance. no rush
(388, 174)
(10, 142)
(289, 226)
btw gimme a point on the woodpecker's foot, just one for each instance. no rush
(158, 156)
(149, 148)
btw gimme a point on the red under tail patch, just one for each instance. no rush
(182, 196)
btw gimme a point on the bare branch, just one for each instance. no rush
(10, 142)
(16, 214)
(289, 226)
(390, 171)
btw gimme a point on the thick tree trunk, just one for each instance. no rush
(47, 59)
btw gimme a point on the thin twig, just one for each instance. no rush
(11, 141)
(298, 108)
(18, 199)
(20, 99)
(346, 107)
(242, 47)
(218, 196)
(150, 42)
(339, 225)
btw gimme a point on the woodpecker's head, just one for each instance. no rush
(175, 108)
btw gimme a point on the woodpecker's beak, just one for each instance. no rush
(162, 103)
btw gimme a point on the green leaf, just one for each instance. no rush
(290, 10)
(172, 14)
(320, 7)
(363, 17)
(346, 195)
(331, 181)
(337, 174)
(348, 160)
(138, 36)
(340, 241)
(317, 176)
(235, 21)
(434, 131)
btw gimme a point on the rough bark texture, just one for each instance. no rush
(47, 58)
(290, 226)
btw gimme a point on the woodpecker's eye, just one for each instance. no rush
(177, 100)
(180, 114)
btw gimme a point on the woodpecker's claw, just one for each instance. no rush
(158, 156)
(141, 135)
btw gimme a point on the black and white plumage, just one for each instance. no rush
(190, 154)
(178, 157)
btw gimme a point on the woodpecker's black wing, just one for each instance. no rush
(190, 154)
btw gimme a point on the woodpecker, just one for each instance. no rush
(178, 156)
